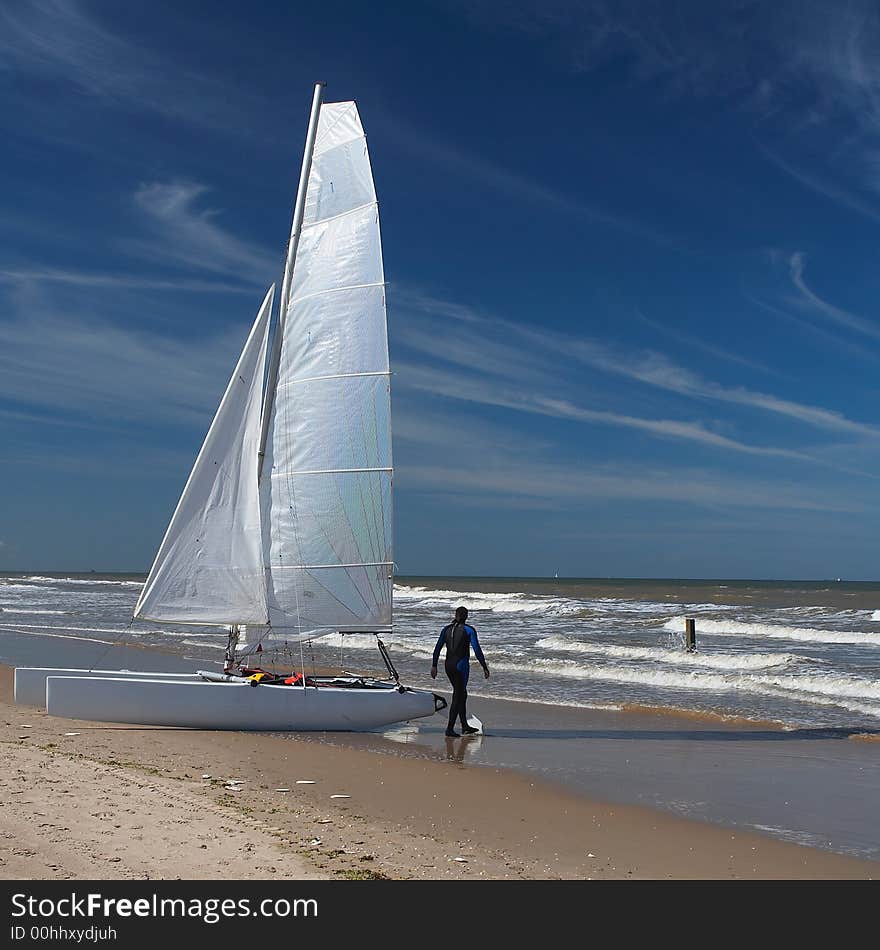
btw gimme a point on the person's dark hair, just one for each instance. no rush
(461, 614)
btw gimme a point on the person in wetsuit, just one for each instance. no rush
(458, 637)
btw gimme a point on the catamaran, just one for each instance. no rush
(283, 532)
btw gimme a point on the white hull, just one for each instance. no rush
(30, 682)
(236, 706)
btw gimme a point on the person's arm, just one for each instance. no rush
(440, 641)
(478, 653)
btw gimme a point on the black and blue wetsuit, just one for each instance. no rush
(458, 638)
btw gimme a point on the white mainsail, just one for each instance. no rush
(326, 478)
(209, 569)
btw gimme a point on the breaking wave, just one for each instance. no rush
(777, 632)
(720, 661)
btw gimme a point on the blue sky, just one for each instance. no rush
(632, 253)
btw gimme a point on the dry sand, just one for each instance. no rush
(132, 803)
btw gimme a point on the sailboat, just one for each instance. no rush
(283, 532)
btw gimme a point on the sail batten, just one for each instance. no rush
(311, 379)
(341, 214)
(336, 290)
(330, 471)
(319, 567)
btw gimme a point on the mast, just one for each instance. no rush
(296, 227)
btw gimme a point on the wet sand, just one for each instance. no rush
(126, 802)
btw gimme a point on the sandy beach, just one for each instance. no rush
(96, 801)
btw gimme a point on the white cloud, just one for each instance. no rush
(136, 461)
(835, 192)
(717, 352)
(827, 310)
(124, 281)
(822, 335)
(453, 385)
(521, 187)
(191, 235)
(805, 72)
(81, 367)
(656, 370)
(765, 53)
(543, 357)
(568, 484)
(65, 41)
(445, 453)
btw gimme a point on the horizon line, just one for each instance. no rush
(520, 577)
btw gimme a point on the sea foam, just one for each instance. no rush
(721, 661)
(777, 632)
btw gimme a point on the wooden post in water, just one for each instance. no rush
(690, 635)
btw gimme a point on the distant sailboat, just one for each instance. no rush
(283, 531)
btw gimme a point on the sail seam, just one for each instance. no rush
(333, 290)
(342, 214)
(326, 131)
(338, 145)
(202, 623)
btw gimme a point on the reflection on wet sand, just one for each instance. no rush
(462, 749)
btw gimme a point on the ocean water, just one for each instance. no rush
(800, 654)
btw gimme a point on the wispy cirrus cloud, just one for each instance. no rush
(809, 58)
(543, 355)
(189, 233)
(837, 192)
(716, 351)
(805, 73)
(68, 42)
(683, 45)
(439, 434)
(836, 49)
(82, 368)
(138, 461)
(81, 278)
(48, 418)
(60, 363)
(509, 471)
(822, 335)
(453, 385)
(646, 484)
(522, 187)
(655, 369)
(178, 230)
(815, 304)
